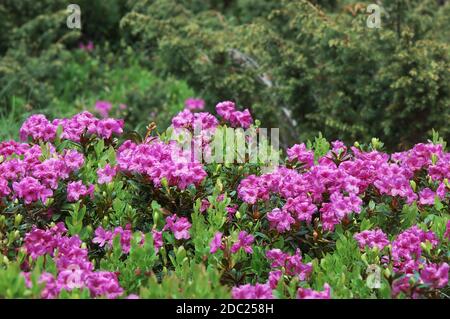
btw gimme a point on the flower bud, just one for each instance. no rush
(18, 220)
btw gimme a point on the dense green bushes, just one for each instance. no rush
(304, 66)
(332, 72)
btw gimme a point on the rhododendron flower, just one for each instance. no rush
(227, 110)
(245, 241)
(277, 257)
(216, 243)
(72, 263)
(306, 293)
(258, 291)
(179, 226)
(447, 230)
(157, 239)
(295, 266)
(280, 220)
(73, 160)
(194, 104)
(103, 108)
(4, 188)
(371, 238)
(401, 285)
(102, 236)
(104, 283)
(406, 248)
(31, 190)
(106, 174)
(300, 153)
(427, 197)
(38, 128)
(76, 190)
(274, 278)
(88, 47)
(435, 275)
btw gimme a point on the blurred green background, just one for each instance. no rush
(302, 66)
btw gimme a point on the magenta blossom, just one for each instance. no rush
(216, 243)
(258, 291)
(245, 242)
(306, 293)
(106, 174)
(179, 226)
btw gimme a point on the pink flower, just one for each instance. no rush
(258, 291)
(104, 283)
(372, 238)
(38, 128)
(280, 220)
(157, 239)
(306, 293)
(73, 160)
(274, 278)
(103, 108)
(75, 190)
(227, 110)
(194, 104)
(88, 47)
(434, 275)
(300, 153)
(447, 230)
(295, 266)
(102, 236)
(179, 226)
(31, 190)
(244, 241)
(216, 243)
(427, 197)
(277, 257)
(106, 174)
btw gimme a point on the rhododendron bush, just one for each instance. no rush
(90, 210)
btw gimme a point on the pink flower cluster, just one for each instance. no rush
(305, 293)
(74, 270)
(244, 242)
(106, 174)
(103, 108)
(158, 161)
(193, 104)
(76, 190)
(179, 226)
(39, 128)
(258, 291)
(105, 238)
(371, 239)
(407, 250)
(300, 153)
(88, 47)
(292, 264)
(195, 121)
(31, 177)
(336, 185)
(227, 110)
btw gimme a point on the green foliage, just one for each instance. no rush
(313, 70)
(194, 282)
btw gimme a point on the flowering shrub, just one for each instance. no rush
(91, 211)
